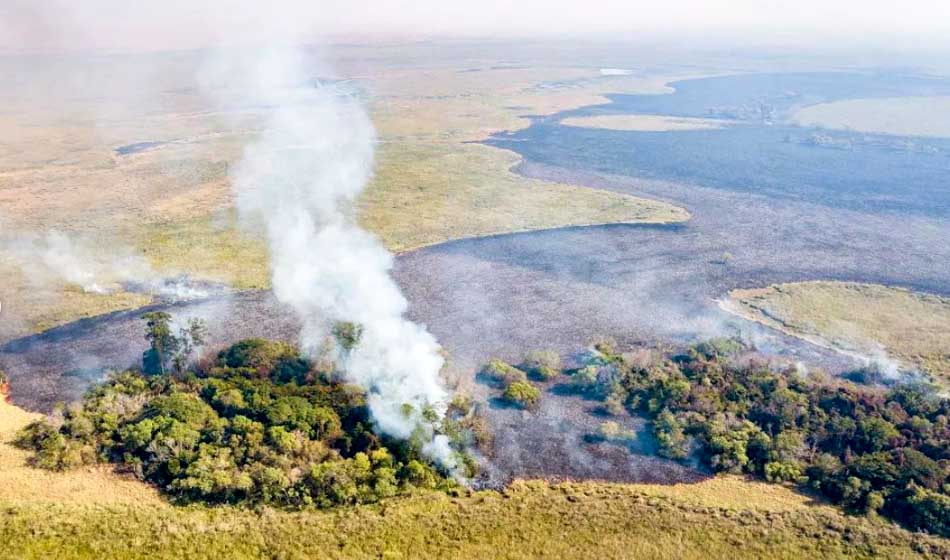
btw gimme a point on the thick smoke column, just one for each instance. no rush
(301, 178)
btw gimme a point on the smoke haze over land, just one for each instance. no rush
(26, 25)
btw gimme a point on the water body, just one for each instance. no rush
(769, 97)
(137, 147)
(759, 154)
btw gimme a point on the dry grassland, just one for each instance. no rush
(172, 204)
(901, 116)
(862, 318)
(24, 485)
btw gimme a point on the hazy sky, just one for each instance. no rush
(149, 24)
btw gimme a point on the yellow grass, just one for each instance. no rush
(26, 486)
(643, 123)
(862, 318)
(29, 308)
(427, 193)
(210, 248)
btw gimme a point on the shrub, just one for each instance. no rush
(585, 378)
(926, 509)
(348, 335)
(778, 471)
(719, 348)
(669, 436)
(613, 431)
(523, 394)
(504, 373)
(256, 354)
(543, 364)
(614, 403)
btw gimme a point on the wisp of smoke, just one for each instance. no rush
(54, 258)
(300, 178)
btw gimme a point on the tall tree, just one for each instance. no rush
(162, 343)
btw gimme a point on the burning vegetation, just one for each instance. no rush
(257, 423)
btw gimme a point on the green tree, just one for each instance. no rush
(347, 334)
(523, 394)
(504, 373)
(189, 339)
(162, 342)
(669, 436)
(543, 364)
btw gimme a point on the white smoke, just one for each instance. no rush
(878, 361)
(301, 178)
(54, 258)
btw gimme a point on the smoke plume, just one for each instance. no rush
(300, 179)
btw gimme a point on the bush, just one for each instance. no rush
(778, 471)
(523, 394)
(719, 348)
(929, 510)
(613, 431)
(670, 437)
(348, 335)
(543, 364)
(504, 373)
(256, 354)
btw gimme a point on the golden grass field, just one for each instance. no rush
(643, 123)
(95, 514)
(172, 204)
(861, 318)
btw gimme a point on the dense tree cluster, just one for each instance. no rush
(255, 424)
(865, 448)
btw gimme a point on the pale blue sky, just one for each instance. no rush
(132, 24)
